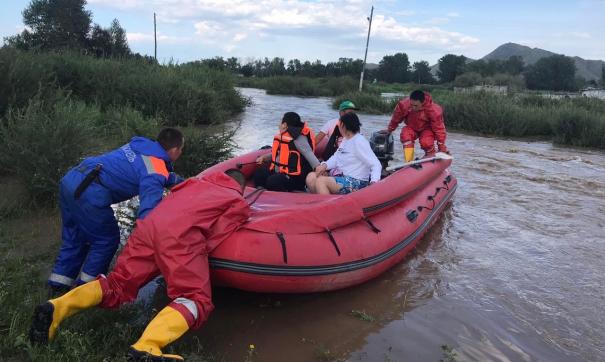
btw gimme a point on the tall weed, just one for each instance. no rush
(40, 142)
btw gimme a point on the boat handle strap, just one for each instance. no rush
(282, 239)
(333, 240)
(372, 226)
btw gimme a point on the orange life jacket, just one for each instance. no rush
(290, 160)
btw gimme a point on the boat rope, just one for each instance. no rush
(282, 239)
(372, 226)
(256, 192)
(333, 240)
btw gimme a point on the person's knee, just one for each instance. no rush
(277, 182)
(260, 177)
(427, 143)
(407, 135)
(311, 179)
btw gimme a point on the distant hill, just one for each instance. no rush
(588, 69)
(371, 66)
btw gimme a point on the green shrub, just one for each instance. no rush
(579, 127)
(340, 85)
(119, 124)
(203, 149)
(302, 86)
(367, 102)
(578, 121)
(21, 78)
(181, 94)
(40, 142)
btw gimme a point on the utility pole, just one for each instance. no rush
(367, 43)
(155, 39)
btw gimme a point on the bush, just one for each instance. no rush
(21, 78)
(580, 127)
(202, 150)
(468, 79)
(180, 94)
(578, 121)
(119, 124)
(496, 115)
(302, 86)
(367, 102)
(40, 142)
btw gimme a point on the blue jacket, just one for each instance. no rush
(141, 167)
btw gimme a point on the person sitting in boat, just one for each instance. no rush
(291, 158)
(330, 130)
(423, 120)
(174, 240)
(354, 157)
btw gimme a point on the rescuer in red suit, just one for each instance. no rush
(174, 240)
(423, 121)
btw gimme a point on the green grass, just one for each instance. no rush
(576, 121)
(57, 108)
(301, 86)
(179, 94)
(362, 315)
(449, 354)
(28, 246)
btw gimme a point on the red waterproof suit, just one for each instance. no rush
(426, 124)
(175, 240)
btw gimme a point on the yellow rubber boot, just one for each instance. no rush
(408, 153)
(168, 326)
(49, 315)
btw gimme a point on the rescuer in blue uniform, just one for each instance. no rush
(90, 231)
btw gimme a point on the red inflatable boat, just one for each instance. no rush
(301, 243)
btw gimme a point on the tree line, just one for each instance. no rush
(557, 72)
(66, 24)
(56, 25)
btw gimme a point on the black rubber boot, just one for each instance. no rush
(139, 356)
(41, 321)
(55, 291)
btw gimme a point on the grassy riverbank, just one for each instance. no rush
(302, 86)
(28, 246)
(56, 108)
(575, 122)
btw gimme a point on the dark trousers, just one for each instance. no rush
(278, 181)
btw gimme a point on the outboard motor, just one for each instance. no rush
(382, 144)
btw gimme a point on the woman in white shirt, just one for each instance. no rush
(354, 158)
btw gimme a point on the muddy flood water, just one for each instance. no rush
(514, 270)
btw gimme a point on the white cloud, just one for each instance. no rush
(227, 23)
(581, 35)
(208, 29)
(239, 37)
(388, 28)
(438, 21)
(148, 37)
(122, 4)
(405, 13)
(138, 37)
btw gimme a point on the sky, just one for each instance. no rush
(327, 30)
